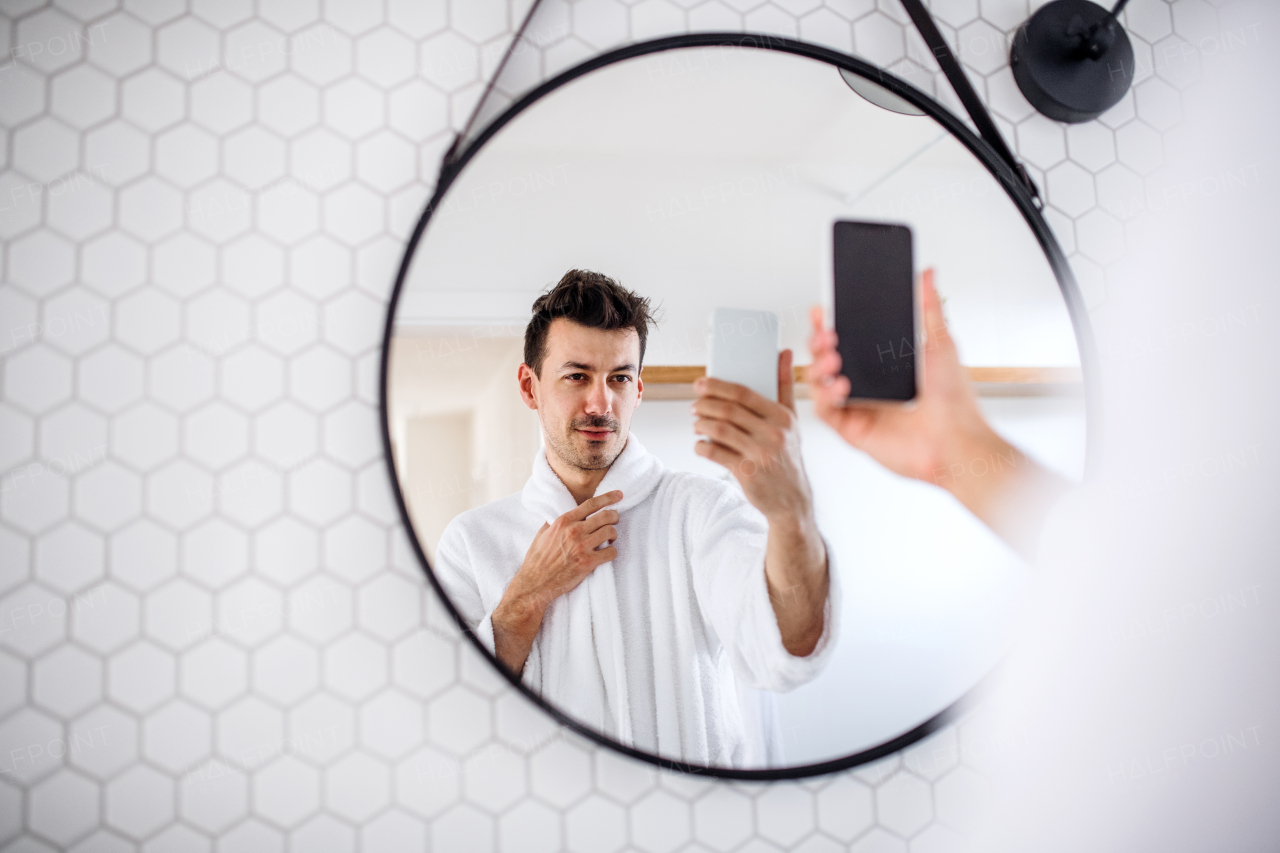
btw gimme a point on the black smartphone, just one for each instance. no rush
(875, 310)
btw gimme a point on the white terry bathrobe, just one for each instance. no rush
(647, 648)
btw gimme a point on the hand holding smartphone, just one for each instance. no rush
(876, 311)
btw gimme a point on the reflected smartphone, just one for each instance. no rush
(743, 348)
(876, 310)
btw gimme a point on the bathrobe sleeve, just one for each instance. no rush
(455, 568)
(733, 595)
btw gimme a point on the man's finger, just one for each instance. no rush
(739, 465)
(590, 505)
(724, 433)
(725, 410)
(709, 386)
(786, 380)
(718, 453)
(829, 399)
(824, 368)
(935, 322)
(771, 410)
(822, 339)
(824, 371)
(822, 343)
(600, 518)
(601, 536)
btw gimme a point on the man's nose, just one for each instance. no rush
(599, 400)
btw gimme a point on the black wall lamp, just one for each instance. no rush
(1072, 59)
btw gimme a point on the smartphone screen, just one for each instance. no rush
(875, 310)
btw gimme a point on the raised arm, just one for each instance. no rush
(944, 438)
(758, 440)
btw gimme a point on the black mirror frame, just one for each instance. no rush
(1014, 186)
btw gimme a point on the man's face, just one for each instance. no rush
(589, 386)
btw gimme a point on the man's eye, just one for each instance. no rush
(576, 376)
(623, 378)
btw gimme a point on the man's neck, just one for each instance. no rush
(581, 482)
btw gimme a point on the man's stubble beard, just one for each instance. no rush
(564, 444)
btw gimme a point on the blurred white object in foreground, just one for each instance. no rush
(1142, 711)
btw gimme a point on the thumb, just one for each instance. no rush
(786, 380)
(935, 322)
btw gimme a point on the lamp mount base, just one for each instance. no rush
(1072, 60)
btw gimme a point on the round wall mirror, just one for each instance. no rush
(709, 176)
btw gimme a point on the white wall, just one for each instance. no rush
(437, 479)
(463, 436)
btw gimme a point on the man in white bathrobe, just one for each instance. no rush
(632, 597)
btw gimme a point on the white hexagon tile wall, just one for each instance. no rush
(212, 632)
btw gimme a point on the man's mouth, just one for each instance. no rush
(596, 434)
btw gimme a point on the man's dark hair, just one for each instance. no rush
(592, 300)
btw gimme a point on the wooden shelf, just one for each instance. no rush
(675, 381)
(1027, 375)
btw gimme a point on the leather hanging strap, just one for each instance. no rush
(964, 89)
(452, 153)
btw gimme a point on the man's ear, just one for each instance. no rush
(528, 386)
(639, 388)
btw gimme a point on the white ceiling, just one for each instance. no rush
(710, 177)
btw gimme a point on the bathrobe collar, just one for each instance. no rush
(636, 472)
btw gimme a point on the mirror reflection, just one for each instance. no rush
(696, 571)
